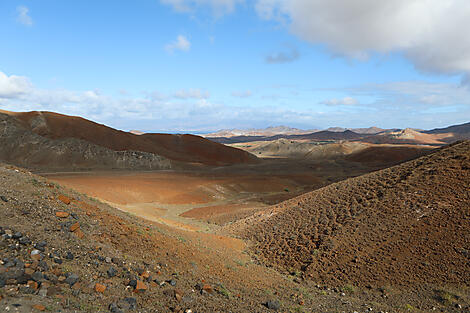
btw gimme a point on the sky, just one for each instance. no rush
(203, 65)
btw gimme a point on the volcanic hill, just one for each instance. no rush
(407, 225)
(51, 140)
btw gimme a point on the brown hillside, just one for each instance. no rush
(405, 226)
(384, 154)
(406, 136)
(184, 148)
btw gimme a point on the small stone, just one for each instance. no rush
(69, 256)
(4, 199)
(14, 273)
(25, 241)
(79, 233)
(57, 260)
(74, 226)
(172, 282)
(178, 295)
(41, 246)
(273, 305)
(107, 259)
(207, 288)
(72, 279)
(17, 235)
(145, 275)
(37, 276)
(62, 214)
(113, 308)
(133, 283)
(111, 272)
(33, 285)
(140, 286)
(39, 307)
(100, 288)
(64, 199)
(43, 265)
(128, 303)
(43, 292)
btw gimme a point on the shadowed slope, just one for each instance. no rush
(404, 225)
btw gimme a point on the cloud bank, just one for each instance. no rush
(428, 32)
(406, 104)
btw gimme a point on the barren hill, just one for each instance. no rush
(452, 133)
(406, 136)
(406, 225)
(324, 135)
(44, 131)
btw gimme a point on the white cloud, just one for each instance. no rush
(429, 32)
(343, 101)
(13, 86)
(191, 94)
(218, 7)
(23, 16)
(242, 94)
(181, 43)
(406, 104)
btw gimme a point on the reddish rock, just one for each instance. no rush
(64, 199)
(62, 214)
(100, 288)
(140, 287)
(145, 274)
(32, 284)
(39, 307)
(79, 233)
(74, 227)
(207, 288)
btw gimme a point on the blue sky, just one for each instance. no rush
(204, 65)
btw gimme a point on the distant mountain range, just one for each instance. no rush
(285, 130)
(438, 136)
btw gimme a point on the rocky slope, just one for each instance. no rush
(407, 225)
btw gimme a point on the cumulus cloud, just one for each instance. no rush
(342, 101)
(218, 7)
(428, 32)
(191, 94)
(283, 57)
(13, 86)
(406, 104)
(181, 43)
(242, 94)
(23, 15)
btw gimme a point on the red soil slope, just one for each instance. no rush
(184, 148)
(407, 225)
